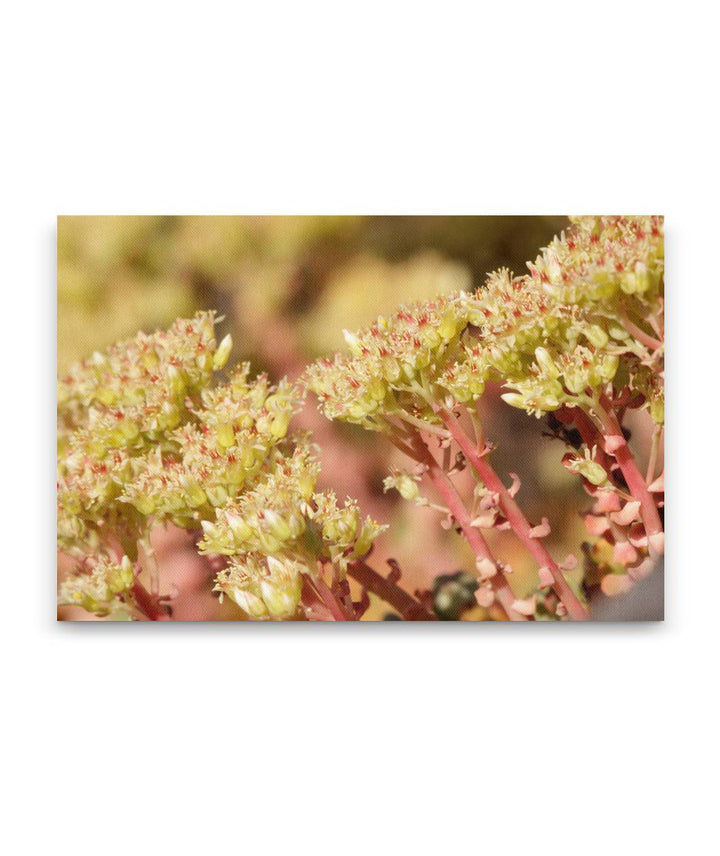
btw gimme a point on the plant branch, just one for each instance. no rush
(148, 604)
(409, 608)
(445, 487)
(646, 339)
(515, 517)
(634, 478)
(331, 602)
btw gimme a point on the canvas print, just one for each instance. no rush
(360, 418)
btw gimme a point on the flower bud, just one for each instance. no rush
(195, 495)
(618, 333)
(280, 424)
(176, 381)
(306, 484)
(546, 402)
(642, 278)
(225, 435)
(596, 336)
(240, 529)
(576, 379)
(637, 281)
(546, 363)
(129, 429)
(204, 362)
(210, 536)
(105, 395)
(608, 366)
(144, 504)
(368, 533)
(377, 389)
(390, 369)
(223, 352)
(150, 360)
(281, 590)
(269, 543)
(448, 326)
(122, 577)
(344, 527)
(353, 342)
(514, 399)
(593, 472)
(249, 602)
(217, 496)
(277, 523)
(169, 416)
(407, 487)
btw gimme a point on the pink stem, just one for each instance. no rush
(646, 339)
(448, 491)
(516, 518)
(148, 604)
(409, 608)
(329, 599)
(633, 476)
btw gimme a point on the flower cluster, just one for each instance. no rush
(114, 409)
(271, 515)
(263, 586)
(217, 454)
(558, 335)
(581, 333)
(598, 294)
(146, 379)
(101, 585)
(390, 364)
(144, 438)
(280, 529)
(603, 257)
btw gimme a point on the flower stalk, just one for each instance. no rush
(407, 606)
(415, 447)
(636, 482)
(515, 517)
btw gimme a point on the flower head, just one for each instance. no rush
(102, 585)
(264, 587)
(555, 336)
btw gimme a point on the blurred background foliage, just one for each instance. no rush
(120, 274)
(286, 287)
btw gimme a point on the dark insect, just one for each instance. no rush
(558, 431)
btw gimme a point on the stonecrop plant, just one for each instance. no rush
(148, 436)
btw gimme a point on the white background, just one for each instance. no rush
(388, 739)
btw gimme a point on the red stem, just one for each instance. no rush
(516, 518)
(643, 337)
(329, 599)
(633, 476)
(148, 604)
(477, 542)
(397, 597)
